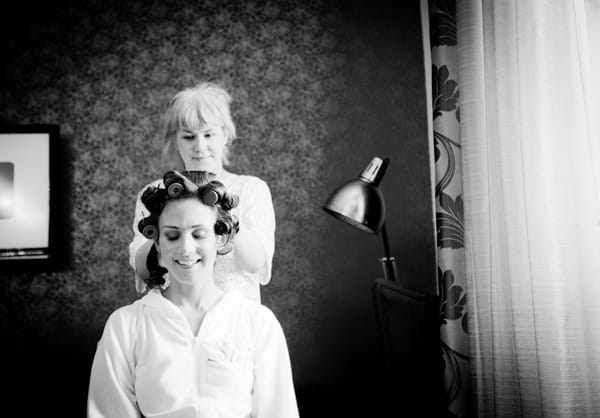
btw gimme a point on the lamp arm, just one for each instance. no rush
(386, 244)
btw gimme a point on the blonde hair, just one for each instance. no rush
(192, 108)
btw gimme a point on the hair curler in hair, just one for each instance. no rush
(212, 193)
(222, 228)
(174, 184)
(229, 201)
(225, 249)
(228, 226)
(148, 227)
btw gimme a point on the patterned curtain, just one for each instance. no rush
(449, 207)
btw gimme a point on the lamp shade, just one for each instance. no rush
(359, 202)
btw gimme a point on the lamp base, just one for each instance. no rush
(390, 268)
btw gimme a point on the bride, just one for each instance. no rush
(187, 348)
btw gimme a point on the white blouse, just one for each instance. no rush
(255, 212)
(148, 363)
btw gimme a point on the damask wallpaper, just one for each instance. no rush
(104, 72)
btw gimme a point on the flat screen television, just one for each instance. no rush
(33, 213)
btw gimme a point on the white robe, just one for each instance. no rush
(149, 363)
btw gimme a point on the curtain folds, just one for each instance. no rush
(530, 154)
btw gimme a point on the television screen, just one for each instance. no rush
(28, 196)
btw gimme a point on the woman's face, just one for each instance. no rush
(202, 149)
(187, 241)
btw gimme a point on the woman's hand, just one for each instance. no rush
(249, 253)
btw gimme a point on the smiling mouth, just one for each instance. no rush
(187, 263)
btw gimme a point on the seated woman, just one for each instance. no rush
(187, 348)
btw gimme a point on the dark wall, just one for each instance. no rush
(379, 111)
(319, 88)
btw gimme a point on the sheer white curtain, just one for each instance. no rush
(532, 219)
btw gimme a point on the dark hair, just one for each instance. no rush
(176, 187)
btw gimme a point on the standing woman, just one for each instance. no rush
(199, 133)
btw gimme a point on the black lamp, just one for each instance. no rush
(360, 203)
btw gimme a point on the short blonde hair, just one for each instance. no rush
(193, 108)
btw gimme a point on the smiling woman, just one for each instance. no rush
(188, 348)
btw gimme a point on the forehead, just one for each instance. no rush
(184, 213)
(206, 127)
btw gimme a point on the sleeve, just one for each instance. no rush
(273, 394)
(111, 391)
(259, 217)
(138, 239)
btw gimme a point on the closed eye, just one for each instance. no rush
(172, 236)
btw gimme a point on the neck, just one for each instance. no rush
(219, 173)
(203, 295)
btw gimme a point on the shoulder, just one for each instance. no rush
(266, 328)
(265, 314)
(249, 308)
(123, 322)
(244, 181)
(121, 330)
(262, 319)
(123, 317)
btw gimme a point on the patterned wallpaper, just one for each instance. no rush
(104, 72)
(319, 87)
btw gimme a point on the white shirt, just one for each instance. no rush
(255, 212)
(149, 362)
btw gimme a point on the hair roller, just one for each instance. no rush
(209, 196)
(222, 228)
(229, 201)
(225, 249)
(212, 193)
(175, 188)
(227, 226)
(150, 231)
(149, 227)
(174, 184)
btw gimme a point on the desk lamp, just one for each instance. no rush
(360, 203)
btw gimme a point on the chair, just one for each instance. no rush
(408, 326)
